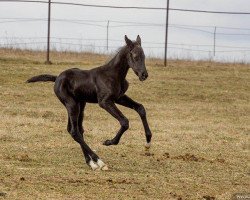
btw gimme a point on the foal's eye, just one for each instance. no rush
(136, 58)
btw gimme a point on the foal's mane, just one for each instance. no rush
(118, 54)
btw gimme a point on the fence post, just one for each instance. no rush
(108, 35)
(48, 62)
(214, 39)
(166, 35)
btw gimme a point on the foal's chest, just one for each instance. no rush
(123, 88)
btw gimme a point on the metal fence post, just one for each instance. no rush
(214, 39)
(166, 35)
(108, 35)
(48, 36)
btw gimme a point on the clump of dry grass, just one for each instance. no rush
(198, 113)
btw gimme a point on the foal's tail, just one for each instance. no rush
(43, 78)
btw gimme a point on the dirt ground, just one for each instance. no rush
(199, 114)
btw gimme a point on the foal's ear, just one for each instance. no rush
(128, 42)
(138, 40)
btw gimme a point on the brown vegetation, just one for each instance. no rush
(198, 113)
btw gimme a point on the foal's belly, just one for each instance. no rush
(89, 95)
(89, 98)
(86, 94)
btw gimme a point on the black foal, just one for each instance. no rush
(105, 85)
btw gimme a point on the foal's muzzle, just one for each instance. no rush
(143, 76)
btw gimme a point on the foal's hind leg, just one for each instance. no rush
(139, 108)
(80, 118)
(91, 158)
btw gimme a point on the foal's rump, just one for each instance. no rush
(42, 78)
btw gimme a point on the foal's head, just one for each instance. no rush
(136, 58)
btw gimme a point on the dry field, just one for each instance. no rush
(199, 113)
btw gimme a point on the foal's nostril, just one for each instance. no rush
(145, 75)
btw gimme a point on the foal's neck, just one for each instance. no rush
(119, 64)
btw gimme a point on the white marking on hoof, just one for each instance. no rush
(147, 145)
(93, 165)
(102, 165)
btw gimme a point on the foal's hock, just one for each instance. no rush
(105, 85)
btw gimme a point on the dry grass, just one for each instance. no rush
(198, 113)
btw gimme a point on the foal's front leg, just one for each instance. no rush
(110, 107)
(139, 108)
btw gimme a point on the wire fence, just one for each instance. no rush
(17, 41)
(129, 7)
(105, 44)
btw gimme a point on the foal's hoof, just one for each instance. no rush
(108, 143)
(102, 165)
(99, 165)
(147, 145)
(93, 165)
(105, 168)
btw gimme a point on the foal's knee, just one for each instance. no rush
(141, 110)
(124, 123)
